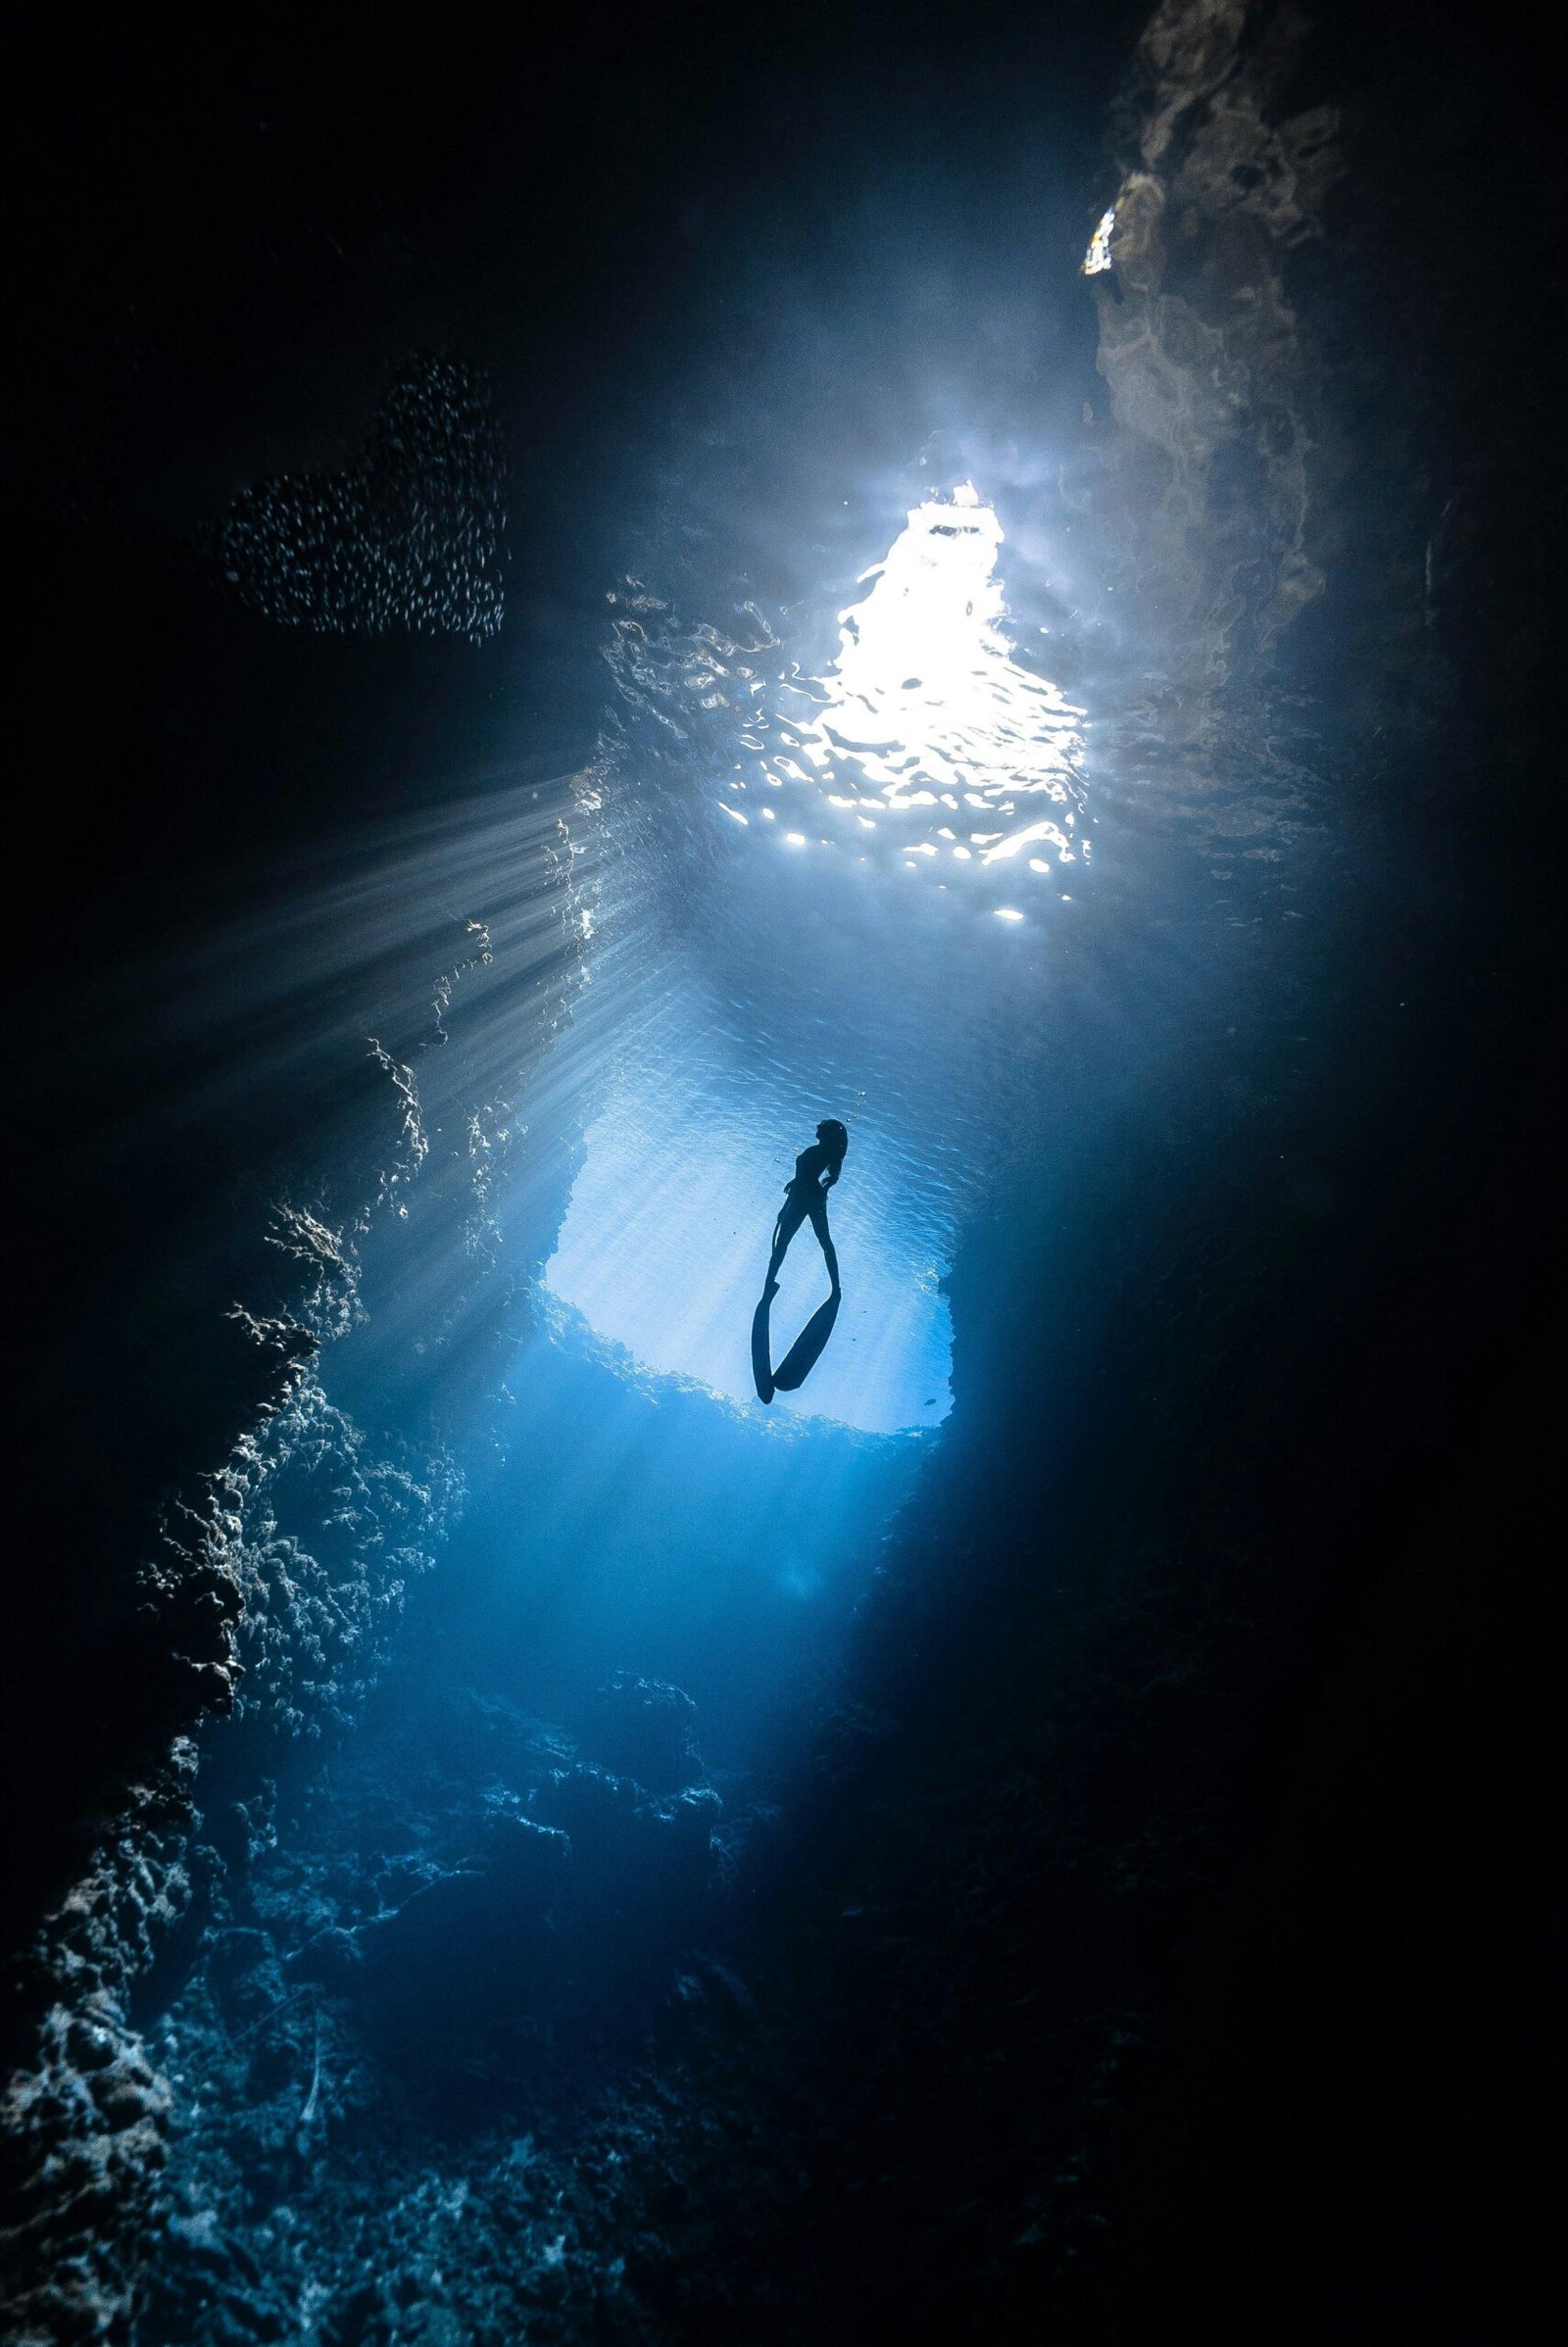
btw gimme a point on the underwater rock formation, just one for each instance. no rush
(1210, 368)
(642, 1729)
(395, 2037)
(273, 1599)
(264, 1592)
(85, 2119)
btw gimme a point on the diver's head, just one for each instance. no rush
(834, 1137)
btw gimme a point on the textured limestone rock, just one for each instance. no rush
(643, 1729)
(402, 2093)
(1211, 370)
(84, 2116)
(297, 1561)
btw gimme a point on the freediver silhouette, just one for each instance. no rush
(817, 1169)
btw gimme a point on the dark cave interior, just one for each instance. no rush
(1134, 1905)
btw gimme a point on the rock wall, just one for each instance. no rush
(1212, 370)
(267, 1606)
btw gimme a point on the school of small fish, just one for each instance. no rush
(410, 535)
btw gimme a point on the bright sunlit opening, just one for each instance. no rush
(664, 1245)
(927, 710)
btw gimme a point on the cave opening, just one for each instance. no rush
(634, 611)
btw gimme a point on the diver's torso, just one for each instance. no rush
(810, 1168)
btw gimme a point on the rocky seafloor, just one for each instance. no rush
(422, 2060)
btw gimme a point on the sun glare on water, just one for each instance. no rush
(928, 743)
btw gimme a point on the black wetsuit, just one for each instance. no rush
(806, 1195)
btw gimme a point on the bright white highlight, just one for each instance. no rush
(926, 706)
(1098, 258)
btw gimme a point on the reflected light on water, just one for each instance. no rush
(929, 750)
(929, 738)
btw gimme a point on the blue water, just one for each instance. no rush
(872, 816)
(632, 1504)
(630, 602)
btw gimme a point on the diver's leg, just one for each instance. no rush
(825, 1240)
(791, 1216)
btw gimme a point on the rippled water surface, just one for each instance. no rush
(853, 866)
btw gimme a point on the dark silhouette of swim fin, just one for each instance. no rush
(806, 1350)
(761, 1355)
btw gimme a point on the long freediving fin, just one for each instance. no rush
(762, 1356)
(807, 1349)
